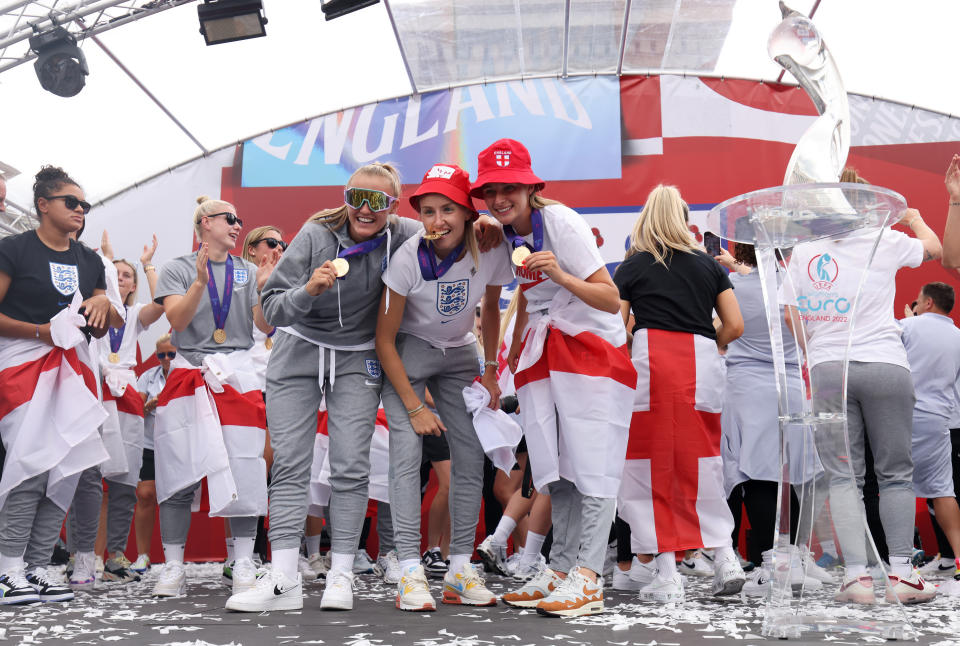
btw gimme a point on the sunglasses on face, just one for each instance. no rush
(166, 355)
(72, 202)
(273, 243)
(376, 200)
(229, 217)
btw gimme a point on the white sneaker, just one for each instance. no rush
(244, 575)
(84, 576)
(319, 564)
(525, 572)
(910, 589)
(799, 579)
(15, 589)
(387, 567)
(663, 590)
(758, 584)
(272, 591)
(338, 593)
(511, 563)
(413, 591)
(537, 588)
(306, 571)
(642, 573)
(98, 566)
(621, 580)
(362, 563)
(494, 556)
(141, 565)
(696, 565)
(856, 590)
(812, 570)
(172, 581)
(728, 578)
(467, 588)
(575, 597)
(935, 569)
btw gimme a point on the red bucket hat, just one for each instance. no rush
(505, 161)
(448, 180)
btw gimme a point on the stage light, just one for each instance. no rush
(224, 21)
(60, 64)
(336, 8)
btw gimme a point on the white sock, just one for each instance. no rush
(286, 561)
(829, 547)
(243, 547)
(313, 545)
(173, 553)
(725, 553)
(406, 564)
(855, 571)
(531, 549)
(10, 563)
(457, 561)
(666, 565)
(229, 543)
(341, 562)
(435, 547)
(504, 528)
(901, 566)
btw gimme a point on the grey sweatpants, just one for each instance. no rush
(84, 516)
(581, 527)
(446, 373)
(880, 401)
(293, 393)
(30, 522)
(175, 519)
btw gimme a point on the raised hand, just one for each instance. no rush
(148, 251)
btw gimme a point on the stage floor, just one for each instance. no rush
(122, 615)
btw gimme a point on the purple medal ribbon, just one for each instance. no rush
(427, 259)
(272, 332)
(516, 240)
(116, 338)
(364, 247)
(220, 313)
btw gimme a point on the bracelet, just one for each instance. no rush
(493, 364)
(954, 203)
(416, 411)
(147, 268)
(38, 331)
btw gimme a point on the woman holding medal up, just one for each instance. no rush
(434, 280)
(572, 375)
(210, 299)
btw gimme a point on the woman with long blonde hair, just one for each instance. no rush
(671, 494)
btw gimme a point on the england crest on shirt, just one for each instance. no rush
(64, 278)
(240, 276)
(452, 296)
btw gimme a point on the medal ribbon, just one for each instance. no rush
(427, 259)
(363, 248)
(116, 338)
(220, 313)
(516, 240)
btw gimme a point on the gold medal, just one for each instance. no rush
(519, 255)
(268, 343)
(220, 335)
(432, 236)
(341, 266)
(113, 358)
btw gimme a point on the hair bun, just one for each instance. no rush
(202, 199)
(54, 173)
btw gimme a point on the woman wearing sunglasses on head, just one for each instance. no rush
(572, 375)
(210, 299)
(47, 431)
(116, 354)
(425, 339)
(325, 345)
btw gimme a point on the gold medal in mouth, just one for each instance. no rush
(519, 255)
(341, 266)
(433, 236)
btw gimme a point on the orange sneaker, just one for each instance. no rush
(537, 588)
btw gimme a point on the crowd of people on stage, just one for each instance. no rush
(308, 380)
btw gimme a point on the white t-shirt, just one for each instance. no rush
(441, 312)
(825, 276)
(567, 235)
(128, 345)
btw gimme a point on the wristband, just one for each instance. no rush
(414, 412)
(954, 203)
(494, 364)
(147, 268)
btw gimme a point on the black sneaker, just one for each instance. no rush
(14, 589)
(47, 587)
(118, 569)
(433, 563)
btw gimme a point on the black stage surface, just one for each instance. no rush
(121, 615)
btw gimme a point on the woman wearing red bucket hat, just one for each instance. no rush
(572, 374)
(425, 339)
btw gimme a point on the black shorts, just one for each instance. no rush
(147, 471)
(435, 448)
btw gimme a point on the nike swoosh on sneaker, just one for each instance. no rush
(277, 591)
(915, 586)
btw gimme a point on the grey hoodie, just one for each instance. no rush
(285, 300)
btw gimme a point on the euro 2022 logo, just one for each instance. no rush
(823, 271)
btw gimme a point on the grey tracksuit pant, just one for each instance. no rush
(84, 516)
(880, 401)
(446, 373)
(581, 527)
(30, 523)
(175, 519)
(293, 393)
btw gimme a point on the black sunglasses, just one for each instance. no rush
(166, 355)
(72, 202)
(229, 217)
(273, 242)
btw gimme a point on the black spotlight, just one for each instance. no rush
(60, 64)
(224, 21)
(336, 8)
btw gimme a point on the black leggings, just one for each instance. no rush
(759, 497)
